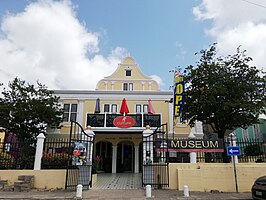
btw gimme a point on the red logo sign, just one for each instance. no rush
(124, 122)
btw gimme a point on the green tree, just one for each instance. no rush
(224, 92)
(26, 110)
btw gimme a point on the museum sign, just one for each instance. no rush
(188, 145)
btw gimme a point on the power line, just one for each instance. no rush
(256, 4)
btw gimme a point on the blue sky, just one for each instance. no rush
(160, 36)
(62, 43)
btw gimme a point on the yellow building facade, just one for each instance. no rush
(119, 148)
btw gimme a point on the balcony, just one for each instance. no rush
(106, 120)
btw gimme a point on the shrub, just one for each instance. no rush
(54, 161)
(95, 164)
(253, 150)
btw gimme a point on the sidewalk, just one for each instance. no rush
(97, 194)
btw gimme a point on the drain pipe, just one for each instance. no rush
(79, 191)
(148, 191)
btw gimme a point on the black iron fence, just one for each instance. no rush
(79, 168)
(17, 154)
(155, 170)
(252, 150)
(55, 153)
(20, 154)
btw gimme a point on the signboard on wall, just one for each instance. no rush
(124, 122)
(195, 145)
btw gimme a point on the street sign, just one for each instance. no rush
(233, 151)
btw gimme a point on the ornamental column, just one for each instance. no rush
(114, 157)
(136, 169)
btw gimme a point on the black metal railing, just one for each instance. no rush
(79, 169)
(17, 154)
(106, 120)
(55, 153)
(20, 154)
(155, 170)
(252, 150)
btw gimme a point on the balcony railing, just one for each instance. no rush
(106, 120)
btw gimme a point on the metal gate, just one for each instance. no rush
(155, 158)
(79, 157)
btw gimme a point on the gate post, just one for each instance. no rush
(192, 155)
(39, 151)
(147, 145)
(147, 156)
(90, 135)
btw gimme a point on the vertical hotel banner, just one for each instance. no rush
(179, 86)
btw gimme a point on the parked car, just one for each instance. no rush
(259, 188)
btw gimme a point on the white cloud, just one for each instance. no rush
(236, 23)
(47, 42)
(157, 79)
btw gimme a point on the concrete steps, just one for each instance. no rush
(24, 184)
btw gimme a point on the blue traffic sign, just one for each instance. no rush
(233, 151)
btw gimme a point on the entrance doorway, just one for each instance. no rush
(125, 157)
(104, 151)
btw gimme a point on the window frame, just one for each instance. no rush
(125, 87)
(138, 108)
(112, 107)
(128, 72)
(105, 106)
(128, 86)
(145, 108)
(71, 113)
(141, 108)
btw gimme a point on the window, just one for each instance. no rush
(106, 108)
(138, 108)
(128, 86)
(110, 108)
(125, 87)
(141, 108)
(145, 108)
(70, 112)
(114, 108)
(128, 72)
